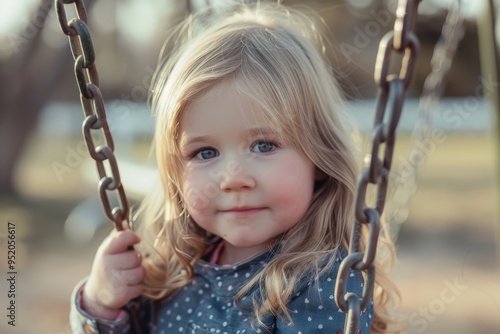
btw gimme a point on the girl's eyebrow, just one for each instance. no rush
(253, 132)
(193, 140)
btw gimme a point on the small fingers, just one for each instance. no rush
(127, 260)
(120, 241)
(133, 276)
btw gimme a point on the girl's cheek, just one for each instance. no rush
(199, 191)
(293, 181)
(195, 199)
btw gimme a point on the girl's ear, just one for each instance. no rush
(319, 175)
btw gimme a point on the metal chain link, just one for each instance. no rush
(405, 183)
(95, 113)
(95, 120)
(391, 93)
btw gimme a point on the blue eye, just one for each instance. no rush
(206, 154)
(264, 147)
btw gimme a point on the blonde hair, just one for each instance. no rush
(274, 56)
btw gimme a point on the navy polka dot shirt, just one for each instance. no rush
(207, 305)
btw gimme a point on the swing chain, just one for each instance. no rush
(390, 97)
(95, 113)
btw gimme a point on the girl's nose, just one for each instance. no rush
(239, 177)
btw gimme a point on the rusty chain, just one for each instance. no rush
(92, 102)
(95, 113)
(405, 183)
(392, 89)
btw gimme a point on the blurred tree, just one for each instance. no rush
(21, 96)
(28, 78)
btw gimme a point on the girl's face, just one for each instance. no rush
(239, 181)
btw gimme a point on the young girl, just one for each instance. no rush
(246, 231)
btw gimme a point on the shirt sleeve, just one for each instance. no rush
(313, 309)
(83, 323)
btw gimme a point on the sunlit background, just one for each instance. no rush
(444, 214)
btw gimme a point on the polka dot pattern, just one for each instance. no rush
(206, 304)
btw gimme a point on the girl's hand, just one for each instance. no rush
(115, 276)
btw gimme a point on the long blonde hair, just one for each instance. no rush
(274, 56)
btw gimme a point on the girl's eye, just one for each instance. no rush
(206, 154)
(263, 147)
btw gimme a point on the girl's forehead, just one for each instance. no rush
(222, 109)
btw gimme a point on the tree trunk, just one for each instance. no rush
(29, 78)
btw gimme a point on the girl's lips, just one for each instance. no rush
(243, 212)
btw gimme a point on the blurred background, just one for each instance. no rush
(443, 196)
